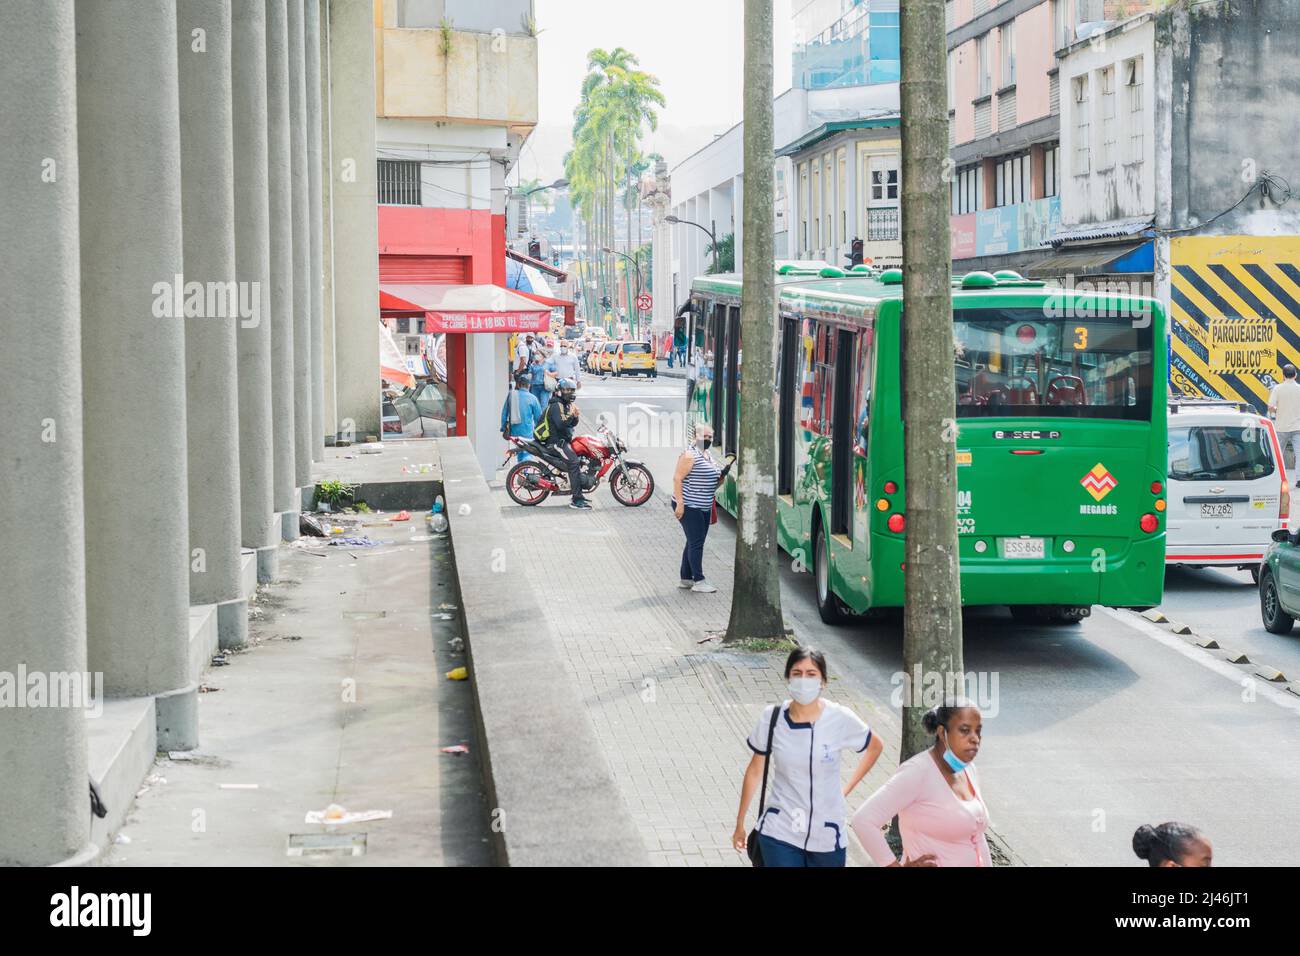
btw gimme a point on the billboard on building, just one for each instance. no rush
(1234, 315)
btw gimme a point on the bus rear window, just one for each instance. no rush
(1219, 453)
(1026, 363)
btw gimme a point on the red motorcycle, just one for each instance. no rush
(532, 481)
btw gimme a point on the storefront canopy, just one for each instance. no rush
(467, 308)
(1121, 258)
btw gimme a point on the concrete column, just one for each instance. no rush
(258, 524)
(211, 356)
(329, 399)
(133, 418)
(356, 225)
(280, 199)
(42, 750)
(299, 181)
(311, 42)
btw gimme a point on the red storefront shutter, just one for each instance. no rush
(424, 269)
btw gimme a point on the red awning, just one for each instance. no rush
(467, 308)
(538, 264)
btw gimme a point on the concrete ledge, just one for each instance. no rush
(545, 771)
(247, 572)
(204, 638)
(393, 495)
(121, 743)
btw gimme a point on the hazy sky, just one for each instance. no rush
(695, 47)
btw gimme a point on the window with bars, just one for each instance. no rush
(1013, 180)
(1052, 170)
(1136, 108)
(1082, 164)
(1008, 44)
(1106, 82)
(882, 225)
(982, 65)
(399, 182)
(968, 190)
(1062, 31)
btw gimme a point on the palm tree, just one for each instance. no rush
(617, 102)
(756, 595)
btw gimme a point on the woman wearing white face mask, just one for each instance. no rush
(801, 816)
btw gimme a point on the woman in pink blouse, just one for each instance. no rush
(936, 796)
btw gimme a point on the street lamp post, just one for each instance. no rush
(560, 183)
(632, 310)
(713, 240)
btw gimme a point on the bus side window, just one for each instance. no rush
(866, 341)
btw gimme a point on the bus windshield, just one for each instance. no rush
(1025, 363)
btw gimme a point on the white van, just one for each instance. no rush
(1228, 489)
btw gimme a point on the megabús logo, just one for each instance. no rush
(103, 909)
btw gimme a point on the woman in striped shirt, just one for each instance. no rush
(694, 484)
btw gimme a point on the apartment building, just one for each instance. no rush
(455, 100)
(1004, 95)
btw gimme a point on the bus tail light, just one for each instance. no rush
(1284, 504)
(897, 523)
(1149, 523)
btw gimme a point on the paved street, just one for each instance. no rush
(1223, 604)
(1098, 727)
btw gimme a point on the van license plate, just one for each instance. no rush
(1217, 510)
(1023, 547)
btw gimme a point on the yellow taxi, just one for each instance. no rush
(606, 354)
(635, 358)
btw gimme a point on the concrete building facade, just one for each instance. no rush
(142, 165)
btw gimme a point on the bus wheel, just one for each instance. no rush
(830, 607)
(1068, 614)
(1254, 573)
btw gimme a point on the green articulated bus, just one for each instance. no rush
(1061, 436)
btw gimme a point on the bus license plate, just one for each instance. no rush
(1217, 510)
(1023, 548)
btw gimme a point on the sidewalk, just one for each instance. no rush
(341, 698)
(677, 371)
(672, 707)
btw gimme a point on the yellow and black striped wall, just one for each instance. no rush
(1234, 315)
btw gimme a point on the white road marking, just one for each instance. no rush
(1264, 688)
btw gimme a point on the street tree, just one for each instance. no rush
(932, 635)
(756, 596)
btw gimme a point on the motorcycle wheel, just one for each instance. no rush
(632, 486)
(518, 479)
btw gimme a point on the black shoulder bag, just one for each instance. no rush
(751, 846)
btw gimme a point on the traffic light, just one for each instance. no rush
(855, 253)
(534, 249)
(604, 302)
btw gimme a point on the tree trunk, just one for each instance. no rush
(932, 637)
(756, 597)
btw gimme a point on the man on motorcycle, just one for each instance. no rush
(561, 417)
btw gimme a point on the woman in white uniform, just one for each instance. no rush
(802, 822)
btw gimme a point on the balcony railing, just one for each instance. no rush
(882, 225)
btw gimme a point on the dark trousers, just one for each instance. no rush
(570, 457)
(780, 853)
(695, 522)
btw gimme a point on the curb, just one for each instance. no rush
(553, 796)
